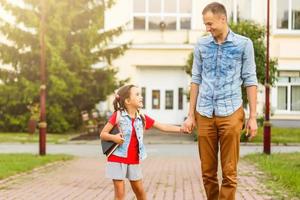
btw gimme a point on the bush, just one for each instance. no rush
(57, 120)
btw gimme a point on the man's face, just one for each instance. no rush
(214, 23)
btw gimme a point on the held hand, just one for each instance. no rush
(251, 128)
(118, 138)
(184, 130)
(189, 124)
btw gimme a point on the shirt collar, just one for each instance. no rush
(229, 37)
(125, 113)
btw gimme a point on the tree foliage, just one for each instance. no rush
(75, 43)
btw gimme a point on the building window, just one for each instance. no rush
(139, 5)
(153, 23)
(144, 96)
(239, 10)
(139, 23)
(169, 100)
(295, 98)
(282, 98)
(155, 99)
(185, 23)
(180, 98)
(149, 14)
(288, 14)
(154, 6)
(288, 93)
(170, 23)
(282, 14)
(170, 6)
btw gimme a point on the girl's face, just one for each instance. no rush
(135, 99)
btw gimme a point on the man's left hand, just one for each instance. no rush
(251, 128)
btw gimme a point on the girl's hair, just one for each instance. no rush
(119, 102)
(122, 94)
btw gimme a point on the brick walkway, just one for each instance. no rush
(165, 177)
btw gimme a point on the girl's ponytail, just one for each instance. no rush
(116, 103)
(120, 97)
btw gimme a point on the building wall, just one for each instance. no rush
(169, 49)
(156, 50)
(156, 61)
(158, 68)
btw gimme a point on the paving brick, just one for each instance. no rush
(165, 178)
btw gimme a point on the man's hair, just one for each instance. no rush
(215, 8)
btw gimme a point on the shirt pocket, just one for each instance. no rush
(230, 64)
(208, 62)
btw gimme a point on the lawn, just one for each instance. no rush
(33, 138)
(282, 170)
(11, 164)
(280, 135)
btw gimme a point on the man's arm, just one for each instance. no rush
(251, 83)
(193, 99)
(252, 99)
(190, 122)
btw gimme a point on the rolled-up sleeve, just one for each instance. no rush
(248, 66)
(197, 66)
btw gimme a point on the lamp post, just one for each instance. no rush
(267, 124)
(43, 123)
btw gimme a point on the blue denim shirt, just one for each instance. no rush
(220, 70)
(125, 123)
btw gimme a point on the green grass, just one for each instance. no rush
(280, 135)
(11, 164)
(282, 170)
(33, 138)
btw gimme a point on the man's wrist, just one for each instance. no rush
(191, 115)
(252, 116)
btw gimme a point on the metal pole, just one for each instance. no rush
(267, 124)
(42, 124)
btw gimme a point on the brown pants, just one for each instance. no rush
(223, 132)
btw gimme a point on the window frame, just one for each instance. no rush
(180, 98)
(162, 16)
(152, 99)
(289, 30)
(289, 98)
(144, 95)
(172, 99)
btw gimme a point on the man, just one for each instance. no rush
(223, 62)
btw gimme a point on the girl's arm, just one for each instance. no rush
(105, 135)
(167, 127)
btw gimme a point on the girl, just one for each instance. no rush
(124, 161)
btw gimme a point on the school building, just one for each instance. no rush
(163, 33)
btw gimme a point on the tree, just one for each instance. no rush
(75, 42)
(256, 33)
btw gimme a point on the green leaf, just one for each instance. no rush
(75, 41)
